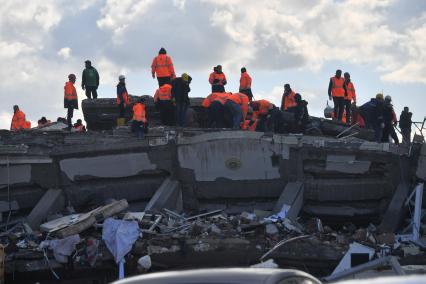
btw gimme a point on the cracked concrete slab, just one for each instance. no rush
(346, 164)
(15, 174)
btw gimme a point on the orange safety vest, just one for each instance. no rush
(242, 100)
(337, 87)
(350, 90)
(264, 107)
(214, 97)
(19, 122)
(70, 92)
(289, 101)
(216, 76)
(126, 98)
(162, 65)
(245, 81)
(164, 93)
(139, 113)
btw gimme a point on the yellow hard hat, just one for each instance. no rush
(185, 77)
(379, 96)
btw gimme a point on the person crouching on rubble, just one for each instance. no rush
(78, 126)
(270, 118)
(139, 124)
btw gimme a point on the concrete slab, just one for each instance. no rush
(168, 195)
(107, 166)
(395, 211)
(291, 200)
(51, 202)
(421, 167)
(346, 164)
(15, 174)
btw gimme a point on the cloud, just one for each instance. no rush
(65, 52)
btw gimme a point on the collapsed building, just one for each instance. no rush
(331, 173)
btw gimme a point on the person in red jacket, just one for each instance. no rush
(162, 66)
(18, 120)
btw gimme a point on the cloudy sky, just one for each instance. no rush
(382, 43)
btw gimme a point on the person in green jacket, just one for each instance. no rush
(90, 80)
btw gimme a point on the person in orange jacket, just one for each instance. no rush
(139, 123)
(218, 80)
(122, 96)
(350, 96)
(70, 99)
(215, 103)
(237, 105)
(270, 118)
(250, 123)
(336, 92)
(162, 66)
(288, 101)
(163, 101)
(245, 84)
(19, 121)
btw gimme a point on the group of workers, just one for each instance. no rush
(234, 110)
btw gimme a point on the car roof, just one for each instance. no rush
(218, 275)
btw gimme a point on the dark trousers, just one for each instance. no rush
(70, 114)
(181, 108)
(236, 113)
(339, 104)
(378, 131)
(167, 112)
(248, 93)
(163, 80)
(121, 110)
(271, 122)
(406, 136)
(139, 128)
(348, 111)
(91, 92)
(218, 89)
(216, 114)
(389, 130)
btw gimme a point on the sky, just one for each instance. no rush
(381, 43)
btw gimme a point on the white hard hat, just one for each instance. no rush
(388, 98)
(121, 77)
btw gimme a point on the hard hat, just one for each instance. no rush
(388, 98)
(121, 77)
(71, 76)
(185, 77)
(379, 97)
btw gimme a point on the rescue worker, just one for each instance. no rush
(405, 125)
(78, 126)
(43, 122)
(301, 114)
(250, 123)
(356, 117)
(215, 103)
(237, 106)
(350, 96)
(288, 101)
(139, 123)
(372, 113)
(70, 99)
(18, 120)
(163, 101)
(389, 119)
(218, 80)
(90, 80)
(245, 84)
(268, 115)
(122, 99)
(162, 66)
(180, 91)
(336, 92)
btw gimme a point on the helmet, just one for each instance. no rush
(121, 77)
(185, 77)
(71, 77)
(388, 98)
(379, 97)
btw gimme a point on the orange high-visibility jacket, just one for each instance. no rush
(162, 65)
(337, 87)
(242, 100)
(164, 93)
(217, 76)
(19, 122)
(289, 101)
(350, 91)
(70, 92)
(264, 107)
(139, 113)
(219, 97)
(245, 81)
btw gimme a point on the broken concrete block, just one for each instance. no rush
(395, 211)
(168, 195)
(215, 229)
(291, 200)
(347, 261)
(421, 168)
(271, 230)
(346, 164)
(51, 202)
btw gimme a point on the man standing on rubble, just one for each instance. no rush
(122, 99)
(218, 80)
(288, 101)
(245, 84)
(350, 96)
(390, 121)
(163, 101)
(70, 99)
(162, 66)
(337, 93)
(372, 113)
(180, 91)
(405, 125)
(90, 80)
(139, 123)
